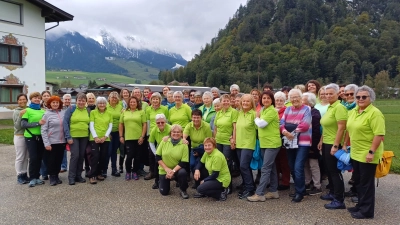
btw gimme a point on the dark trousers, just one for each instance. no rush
(112, 152)
(121, 155)
(335, 176)
(132, 150)
(35, 148)
(355, 175)
(87, 156)
(77, 150)
(245, 156)
(211, 188)
(98, 156)
(153, 165)
(54, 158)
(43, 167)
(365, 184)
(180, 177)
(228, 153)
(282, 166)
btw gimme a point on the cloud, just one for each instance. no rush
(180, 26)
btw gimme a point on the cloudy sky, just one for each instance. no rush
(180, 26)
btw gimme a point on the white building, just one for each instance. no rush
(22, 47)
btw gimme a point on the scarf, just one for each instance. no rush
(91, 107)
(34, 106)
(175, 142)
(350, 106)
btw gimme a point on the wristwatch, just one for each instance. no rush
(335, 146)
(173, 171)
(371, 152)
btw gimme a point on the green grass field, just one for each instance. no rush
(138, 70)
(58, 77)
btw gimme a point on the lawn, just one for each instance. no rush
(6, 122)
(7, 136)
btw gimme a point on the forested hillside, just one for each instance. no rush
(287, 42)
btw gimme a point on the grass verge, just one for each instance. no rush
(7, 136)
(7, 122)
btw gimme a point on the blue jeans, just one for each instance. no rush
(193, 160)
(43, 166)
(112, 152)
(297, 158)
(245, 156)
(64, 164)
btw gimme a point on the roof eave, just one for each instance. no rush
(51, 13)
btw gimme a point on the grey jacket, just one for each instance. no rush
(17, 121)
(52, 130)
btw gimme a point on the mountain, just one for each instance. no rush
(75, 52)
(288, 42)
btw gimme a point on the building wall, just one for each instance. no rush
(31, 35)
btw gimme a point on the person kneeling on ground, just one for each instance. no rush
(172, 157)
(213, 173)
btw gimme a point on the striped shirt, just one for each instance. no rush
(301, 117)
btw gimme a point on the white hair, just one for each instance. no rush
(311, 98)
(161, 116)
(234, 86)
(295, 91)
(280, 95)
(333, 86)
(177, 93)
(101, 100)
(176, 126)
(207, 93)
(371, 92)
(156, 95)
(216, 101)
(214, 89)
(66, 95)
(351, 87)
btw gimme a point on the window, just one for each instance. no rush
(9, 93)
(10, 54)
(10, 12)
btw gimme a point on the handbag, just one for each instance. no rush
(257, 160)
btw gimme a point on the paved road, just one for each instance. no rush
(116, 201)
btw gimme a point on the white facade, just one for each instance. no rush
(31, 35)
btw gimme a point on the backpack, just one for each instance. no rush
(384, 164)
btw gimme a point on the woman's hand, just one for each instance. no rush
(140, 141)
(122, 140)
(22, 112)
(233, 143)
(319, 146)
(165, 139)
(97, 140)
(333, 150)
(70, 142)
(170, 174)
(48, 148)
(184, 141)
(289, 135)
(42, 121)
(196, 175)
(369, 158)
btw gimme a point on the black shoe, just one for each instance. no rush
(353, 209)
(155, 186)
(350, 193)
(246, 194)
(354, 199)
(53, 181)
(115, 174)
(80, 180)
(292, 194)
(308, 187)
(335, 204)
(297, 198)
(359, 215)
(184, 195)
(283, 187)
(71, 181)
(58, 180)
(224, 195)
(198, 195)
(45, 177)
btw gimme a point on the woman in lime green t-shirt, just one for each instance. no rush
(100, 127)
(366, 130)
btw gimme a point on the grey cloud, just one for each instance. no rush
(180, 26)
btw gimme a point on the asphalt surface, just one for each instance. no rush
(116, 201)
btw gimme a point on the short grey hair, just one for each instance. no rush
(156, 95)
(170, 93)
(178, 93)
(280, 95)
(371, 92)
(234, 86)
(351, 87)
(216, 101)
(311, 98)
(333, 86)
(176, 126)
(66, 95)
(214, 89)
(295, 91)
(197, 93)
(80, 96)
(101, 100)
(208, 93)
(161, 116)
(239, 95)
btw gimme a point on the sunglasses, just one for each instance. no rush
(191, 95)
(160, 122)
(349, 94)
(362, 97)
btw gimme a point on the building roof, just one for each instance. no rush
(50, 12)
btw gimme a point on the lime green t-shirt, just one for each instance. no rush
(33, 116)
(246, 130)
(216, 161)
(116, 114)
(181, 116)
(101, 123)
(172, 155)
(79, 126)
(156, 135)
(197, 136)
(133, 123)
(362, 128)
(144, 106)
(224, 123)
(151, 114)
(270, 136)
(335, 113)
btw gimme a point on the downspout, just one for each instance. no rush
(58, 23)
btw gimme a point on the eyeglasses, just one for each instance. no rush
(160, 122)
(362, 97)
(191, 95)
(349, 94)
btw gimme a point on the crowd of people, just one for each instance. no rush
(209, 138)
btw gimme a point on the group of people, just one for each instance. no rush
(180, 135)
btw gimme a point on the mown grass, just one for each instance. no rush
(7, 136)
(7, 122)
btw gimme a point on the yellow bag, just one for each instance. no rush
(384, 164)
